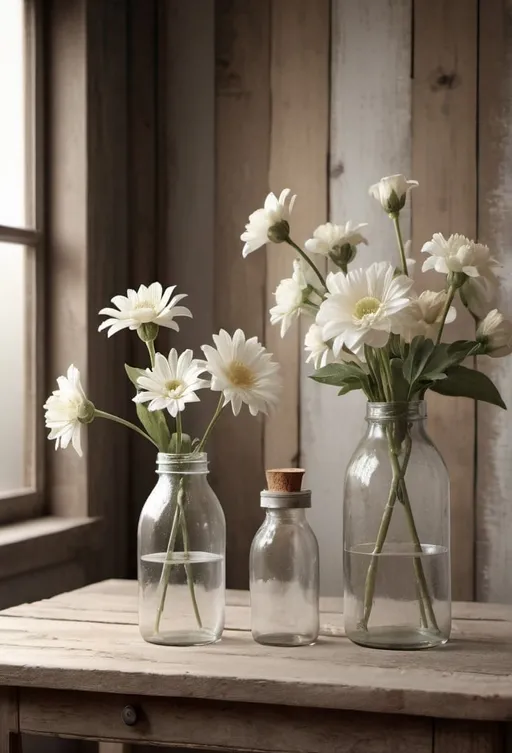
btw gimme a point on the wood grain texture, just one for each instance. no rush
(444, 162)
(183, 723)
(299, 126)
(143, 229)
(242, 118)
(494, 478)
(468, 737)
(9, 721)
(370, 138)
(470, 679)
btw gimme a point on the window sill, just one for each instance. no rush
(42, 542)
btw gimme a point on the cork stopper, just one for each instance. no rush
(284, 479)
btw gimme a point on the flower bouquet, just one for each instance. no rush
(372, 330)
(182, 528)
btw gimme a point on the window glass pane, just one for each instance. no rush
(12, 120)
(16, 405)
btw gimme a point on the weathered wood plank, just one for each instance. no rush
(299, 126)
(494, 477)
(242, 106)
(472, 681)
(468, 737)
(370, 138)
(183, 723)
(444, 162)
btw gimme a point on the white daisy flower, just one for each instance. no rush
(172, 383)
(495, 334)
(361, 307)
(144, 306)
(294, 296)
(244, 371)
(320, 351)
(66, 409)
(269, 223)
(392, 192)
(423, 316)
(458, 254)
(338, 242)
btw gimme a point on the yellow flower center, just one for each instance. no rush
(240, 375)
(365, 306)
(174, 384)
(144, 305)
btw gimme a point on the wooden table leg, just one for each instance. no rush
(10, 738)
(455, 736)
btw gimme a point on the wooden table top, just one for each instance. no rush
(88, 640)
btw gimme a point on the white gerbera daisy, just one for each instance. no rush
(336, 241)
(320, 351)
(423, 316)
(294, 296)
(361, 307)
(458, 254)
(495, 334)
(66, 409)
(144, 306)
(244, 371)
(172, 383)
(269, 223)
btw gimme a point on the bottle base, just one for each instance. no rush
(199, 637)
(397, 638)
(284, 639)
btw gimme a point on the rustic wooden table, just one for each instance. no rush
(75, 666)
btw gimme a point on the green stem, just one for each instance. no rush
(179, 432)
(387, 379)
(188, 569)
(448, 303)
(210, 426)
(151, 349)
(166, 569)
(373, 366)
(418, 565)
(103, 414)
(307, 260)
(399, 239)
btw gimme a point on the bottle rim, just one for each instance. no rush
(183, 463)
(413, 410)
(285, 500)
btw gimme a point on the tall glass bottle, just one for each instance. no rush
(397, 533)
(181, 554)
(284, 565)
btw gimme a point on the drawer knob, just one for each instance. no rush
(129, 715)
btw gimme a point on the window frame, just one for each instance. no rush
(28, 502)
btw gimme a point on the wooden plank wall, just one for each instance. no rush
(326, 98)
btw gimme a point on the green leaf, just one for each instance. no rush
(153, 421)
(400, 385)
(156, 426)
(337, 373)
(463, 382)
(419, 352)
(133, 374)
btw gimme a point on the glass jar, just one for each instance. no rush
(397, 533)
(181, 554)
(284, 567)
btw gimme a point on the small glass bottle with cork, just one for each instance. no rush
(284, 565)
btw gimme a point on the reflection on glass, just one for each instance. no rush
(15, 404)
(12, 120)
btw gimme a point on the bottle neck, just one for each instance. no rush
(188, 464)
(397, 419)
(289, 515)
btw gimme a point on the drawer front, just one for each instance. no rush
(215, 725)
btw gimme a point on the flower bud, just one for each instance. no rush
(494, 333)
(279, 232)
(343, 255)
(391, 193)
(148, 332)
(86, 412)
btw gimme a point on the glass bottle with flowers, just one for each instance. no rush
(182, 536)
(371, 330)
